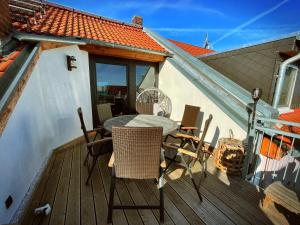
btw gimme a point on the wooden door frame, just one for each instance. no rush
(131, 79)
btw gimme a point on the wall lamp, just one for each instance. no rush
(256, 94)
(71, 62)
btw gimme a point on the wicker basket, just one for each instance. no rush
(229, 156)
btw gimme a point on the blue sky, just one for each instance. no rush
(229, 23)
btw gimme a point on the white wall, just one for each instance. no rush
(44, 118)
(182, 91)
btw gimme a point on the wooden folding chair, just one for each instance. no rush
(95, 148)
(136, 155)
(196, 154)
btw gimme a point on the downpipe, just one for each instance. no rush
(281, 77)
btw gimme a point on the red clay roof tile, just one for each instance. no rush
(6, 61)
(192, 49)
(62, 21)
(292, 117)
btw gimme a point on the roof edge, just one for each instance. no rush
(83, 41)
(92, 14)
(285, 36)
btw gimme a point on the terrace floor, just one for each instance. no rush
(226, 200)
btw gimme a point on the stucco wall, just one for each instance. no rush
(44, 118)
(181, 91)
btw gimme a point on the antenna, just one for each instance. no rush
(206, 42)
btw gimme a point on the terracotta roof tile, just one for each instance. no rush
(6, 61)
(192, 49)
(62, 21)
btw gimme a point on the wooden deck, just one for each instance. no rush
(226, 200)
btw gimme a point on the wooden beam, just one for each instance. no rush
(122, 53)
(46, 45)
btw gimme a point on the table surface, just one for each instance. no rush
(141, 120)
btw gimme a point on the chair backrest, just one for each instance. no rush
(190, 116)
(144, 108)
(137, 151)
(204, 132)
(79, 111)
(104, 112)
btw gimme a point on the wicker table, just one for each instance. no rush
(141, 120)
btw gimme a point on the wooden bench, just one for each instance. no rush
(277, 192)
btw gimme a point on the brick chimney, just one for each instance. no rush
(137, 20)
(5, 21)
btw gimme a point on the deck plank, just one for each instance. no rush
(100, 199)
(87, 209)
(118, 215)
(61, 198)
(225, 200)
(176, 207)
(150, 198)
(38, 192)
(73, 207)
(205, 209)
(137, 197)
(50, 190)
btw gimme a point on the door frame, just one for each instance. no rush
(131, 79)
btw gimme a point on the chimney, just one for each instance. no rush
(137, 20)
(5, 22)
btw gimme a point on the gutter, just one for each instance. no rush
(281, 78)
(83, 41)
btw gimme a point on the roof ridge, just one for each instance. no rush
(48, 3)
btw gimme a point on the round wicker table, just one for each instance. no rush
(141, 120)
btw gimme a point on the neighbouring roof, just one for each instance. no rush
(66, 22)
(296, 35)
(192, 49)
(291, 117)
(6, 61)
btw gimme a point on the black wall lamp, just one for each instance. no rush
(71, 62)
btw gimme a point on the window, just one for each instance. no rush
(145, 78)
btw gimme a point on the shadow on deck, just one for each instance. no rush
(226, 200)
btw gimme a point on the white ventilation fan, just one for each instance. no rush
(154, 101)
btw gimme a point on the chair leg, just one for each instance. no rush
(86, 159)
(191, 176)
(161, 196)
(111, 197)
(161, 207)
(91, 169)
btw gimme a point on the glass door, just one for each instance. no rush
(112, 86)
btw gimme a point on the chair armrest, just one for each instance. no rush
(189, 128)
(111, 160)
(95, 129)
(194, 138)
(165, 144)
(186, 152)
(99, 142)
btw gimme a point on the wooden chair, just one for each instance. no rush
(188, 122)
(198, 145)
(95, 148)
(136, 155)
(104, 112)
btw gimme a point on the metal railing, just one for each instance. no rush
(275, 153)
